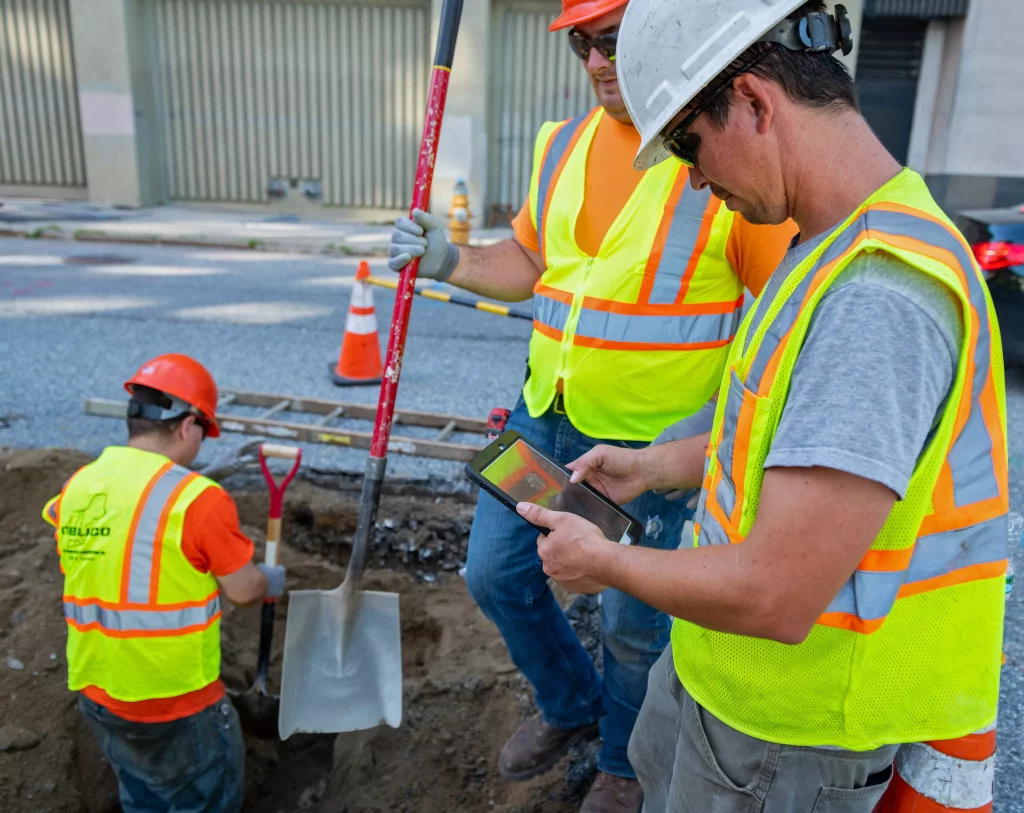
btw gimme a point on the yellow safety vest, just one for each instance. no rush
(909, 650)
(640, 333)
(143, 623)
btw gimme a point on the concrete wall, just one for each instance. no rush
(118, 108)
(974, 156)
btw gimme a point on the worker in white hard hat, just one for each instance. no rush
(844, 591)
(637, 282)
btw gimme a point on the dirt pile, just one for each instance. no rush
(463, 696)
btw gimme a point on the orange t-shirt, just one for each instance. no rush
(213, 542)
(753, 251)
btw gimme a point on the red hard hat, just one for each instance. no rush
(183, 378)
(575, 12)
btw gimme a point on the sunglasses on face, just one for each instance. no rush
(604, 43)
(682, 145)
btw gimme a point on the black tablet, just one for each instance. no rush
(513, 470)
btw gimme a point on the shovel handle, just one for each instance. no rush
(273, 450)
(451, 14)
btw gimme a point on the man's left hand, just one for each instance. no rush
(570, 550)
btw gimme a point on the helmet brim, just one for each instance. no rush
(584, 13)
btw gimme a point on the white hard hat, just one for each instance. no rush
(669, 50)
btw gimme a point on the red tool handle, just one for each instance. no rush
(376, 463)
(277, 490)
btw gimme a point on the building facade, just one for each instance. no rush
(311, 104)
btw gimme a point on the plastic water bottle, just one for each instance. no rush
(1014, 550)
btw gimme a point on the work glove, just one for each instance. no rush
(422, 236)
(275, 579)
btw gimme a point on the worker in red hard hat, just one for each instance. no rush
(147, 547)
(637, 283)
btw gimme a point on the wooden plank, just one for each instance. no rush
(316, 406)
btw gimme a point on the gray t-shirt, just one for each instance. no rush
(874, 373)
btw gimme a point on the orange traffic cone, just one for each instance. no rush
(948, 776)
(359, 360)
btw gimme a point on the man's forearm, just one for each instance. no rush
(676, 465)
(503, 271)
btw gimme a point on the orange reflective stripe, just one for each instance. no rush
(889, 561)
(715, 510)
(849, 621)
(654, 258)
(109, 633)
(994, 423)
(550, 332)
(553, 183)
(158, 541)
(973, 747)
(973, 573)
(136, 515)
(702, 242)
(960, 518)
(605, 344)
(565, 297)
(117, 605)
(675, 309)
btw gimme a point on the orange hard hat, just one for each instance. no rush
(575, 12)
(184, 378)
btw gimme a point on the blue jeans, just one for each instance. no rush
(192, 765)
(505, 577)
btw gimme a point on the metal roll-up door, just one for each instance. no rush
(40, 129)
(888, 69)
(314, 92)
(535, 78)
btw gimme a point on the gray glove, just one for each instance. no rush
(422, 236)
(275, 579)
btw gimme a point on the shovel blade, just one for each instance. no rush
(339, 673)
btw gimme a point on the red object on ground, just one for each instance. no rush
(359, 359)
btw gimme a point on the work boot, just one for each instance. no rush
(612, 794)
(537, 746)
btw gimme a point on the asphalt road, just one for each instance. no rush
(273, 323)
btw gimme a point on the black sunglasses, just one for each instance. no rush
(682, 145)
(604, 43)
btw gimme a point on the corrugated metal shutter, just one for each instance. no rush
(535, 78)
(922, 9)
(321, 91)
(888, 67)
(40, 131)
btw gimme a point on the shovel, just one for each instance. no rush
(258, 708)
(342, 666)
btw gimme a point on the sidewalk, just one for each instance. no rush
(179, 225)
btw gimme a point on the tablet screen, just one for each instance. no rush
(526, 476)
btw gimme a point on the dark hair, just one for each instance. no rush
(816, 80)
(147, 396)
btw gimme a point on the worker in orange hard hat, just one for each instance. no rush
(637, 283)
(146, 548)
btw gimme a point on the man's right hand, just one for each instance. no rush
(617, 473)
(422, 236)
(275, 575)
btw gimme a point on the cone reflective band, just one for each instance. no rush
(359, 360)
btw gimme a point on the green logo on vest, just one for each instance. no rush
(81, 525)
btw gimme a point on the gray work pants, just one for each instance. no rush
(688, 761)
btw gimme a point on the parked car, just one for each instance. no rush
(997, 238)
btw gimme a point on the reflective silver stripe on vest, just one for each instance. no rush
(680, 244)
(670, 330)
(142, 620)
(870, 594)
(140, 569)
(559, 144)
(970, 459)
(550, 312)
